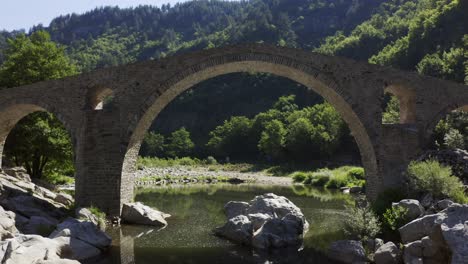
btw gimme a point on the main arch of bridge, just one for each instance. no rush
(107, 140)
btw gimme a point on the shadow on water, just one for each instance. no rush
(196, 210)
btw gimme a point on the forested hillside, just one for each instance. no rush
(428, 36)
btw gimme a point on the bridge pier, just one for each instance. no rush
(99, 173)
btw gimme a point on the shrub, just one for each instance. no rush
(432, 177)
(210, 160)
(361, 223)
(187, 161)
(357, 172)
(395, 217)
(337, 180)
(299, 176)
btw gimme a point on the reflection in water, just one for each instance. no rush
(196, 210)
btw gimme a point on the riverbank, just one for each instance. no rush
(190, 174)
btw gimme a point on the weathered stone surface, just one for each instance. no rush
(271, 221)
(434, 238)
(279, 233)
(388, 253)
(87, 215)
(413, 207)
(18, 172)
(40, 225)
(374, 244)
(64, 199)
(419, 228)
(143, 89)
(347, 251)
(443, 204)
(7, 224)
(258, 219)
(456, 237)
(80, 250)
(85, 231)
(138, 213)
(34, 205)
(232, 208)
(238, 229)
(30, 249)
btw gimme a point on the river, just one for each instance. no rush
(197, 209)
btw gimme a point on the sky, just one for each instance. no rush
(23, 14)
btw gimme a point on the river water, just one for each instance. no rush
(197, 209)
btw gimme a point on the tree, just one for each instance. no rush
(298, 139)
(272, 140)
(153, 145)
(39, 139)
(34, 59)
(233, 138)
(179, 143)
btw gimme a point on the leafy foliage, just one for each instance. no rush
(33, 59)
(39, 141)
(179, 143)
(432, 177)
(362, 223)
(391, 115)
(395, 217)
(452, 131)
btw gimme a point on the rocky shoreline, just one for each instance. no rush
(38, 225)
(437, 233)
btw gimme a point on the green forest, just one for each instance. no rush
(427, 36)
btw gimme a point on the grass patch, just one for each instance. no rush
(346, 176)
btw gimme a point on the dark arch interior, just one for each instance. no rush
(38, 141)
(209, 103)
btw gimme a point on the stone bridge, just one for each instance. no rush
(107, 139)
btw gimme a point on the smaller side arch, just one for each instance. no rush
(97, 97)
(12, 114)
(407, 101)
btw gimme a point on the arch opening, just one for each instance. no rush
(355, 125)
(101, 98)
(39, 141)
(399, 105)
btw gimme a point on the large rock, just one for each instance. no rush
(347, 251)
(456, 236)
(40, 225)
(388, 253)
(84, 231)
(18, 172)
(64, 199)
(80, 250)
(233, 209)
(413, 207)
(31, 249)
(34, 205)
(84, 213)
(138, 213)
(7, 224)
(279, 233)
(268, 221)
(238, 229)
(433, 238)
